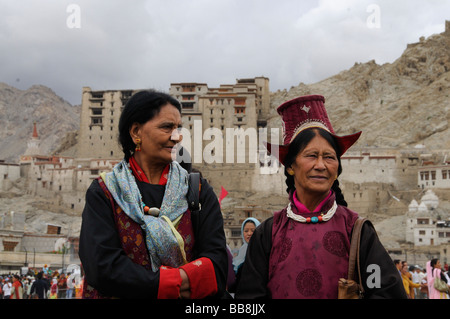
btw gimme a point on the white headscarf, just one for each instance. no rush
(240, 258)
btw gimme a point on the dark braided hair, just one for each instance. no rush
(298, 145)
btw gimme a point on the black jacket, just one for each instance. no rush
(112, 273)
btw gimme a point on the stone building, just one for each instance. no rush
(426, 224)
(434, 176)
(9, 172)
(100, 113)
(188, 94)
(21, 250)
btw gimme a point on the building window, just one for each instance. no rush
(96, 120)
(426, 175)
(433, 175)
(53, 230)
(187, 105)
(239, 110)
(9, 245)
(96, 111)
(97, 95)
(444, 174)
(422, 221)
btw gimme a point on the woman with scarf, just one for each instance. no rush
(247, 229)
(17, 288)
(434, 272)
(303, 250)
(139, 239)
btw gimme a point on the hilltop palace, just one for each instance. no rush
(223, 132)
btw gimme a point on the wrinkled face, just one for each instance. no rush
(159, 135)
(316, 167)
(249, 229)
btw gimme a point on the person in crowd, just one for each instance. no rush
(62, 286)
(303, 250)
(30, 284)
(434, 271)
(139, 239)
(17, 288)
(39, 287)
(7, 286)
(45, 269)
(248, 227)
(70, 287)
(398, 265)
(54, 289)
(408, 284)
(418, 278)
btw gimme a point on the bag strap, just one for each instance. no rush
(193, 195)
(354, 252)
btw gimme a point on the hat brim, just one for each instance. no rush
(344, 143)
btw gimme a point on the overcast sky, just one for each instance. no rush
(118, 44)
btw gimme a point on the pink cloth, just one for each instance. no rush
(307, 260)
(302, 208)
(433, 293)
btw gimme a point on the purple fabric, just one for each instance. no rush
(307, 260)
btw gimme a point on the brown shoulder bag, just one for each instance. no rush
(352, 288)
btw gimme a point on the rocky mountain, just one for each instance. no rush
(399, 104)
(19, 109)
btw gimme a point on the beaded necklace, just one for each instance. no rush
(314, 219)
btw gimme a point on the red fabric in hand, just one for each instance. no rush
(169, 283)
(202, 278)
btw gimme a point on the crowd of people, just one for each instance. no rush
(419, 282)
(40, 284)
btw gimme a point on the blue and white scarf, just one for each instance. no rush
(164, 243)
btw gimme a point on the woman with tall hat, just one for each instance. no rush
(303, 250)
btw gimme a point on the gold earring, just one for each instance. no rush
(290, 171)
(138, 145)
